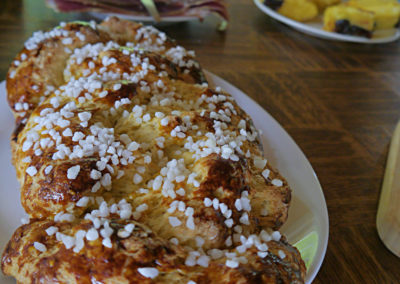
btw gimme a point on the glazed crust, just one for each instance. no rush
(111, 73)
(143, 248)
(42, 71)
(48, 194)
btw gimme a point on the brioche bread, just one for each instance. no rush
(134, 170)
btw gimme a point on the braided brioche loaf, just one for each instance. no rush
(133, 170)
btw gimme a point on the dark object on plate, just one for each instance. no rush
(166, 8)
(273, 4)
(344, 27)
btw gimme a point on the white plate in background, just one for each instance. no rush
(308, 215)
(314, 28)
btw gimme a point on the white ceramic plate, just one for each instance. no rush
(145, 19)
(315, 29)
(308, 214)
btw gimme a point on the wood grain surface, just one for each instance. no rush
(339, 101)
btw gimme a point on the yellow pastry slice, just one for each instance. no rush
(387, 12)
(299, 10)
(349, 20)
(323, 4)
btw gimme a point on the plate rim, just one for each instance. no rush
(304, 28)
(314, 269)
(140, 18)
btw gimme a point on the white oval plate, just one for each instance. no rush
(315, 29)
(308, 215)
(145, 19)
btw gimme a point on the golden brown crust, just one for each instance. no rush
(142, 249)
(27, 81)
(48, 194)
(37, 69)
(125, 137)
(122, 32)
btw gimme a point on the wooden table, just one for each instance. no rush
(339, 101)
